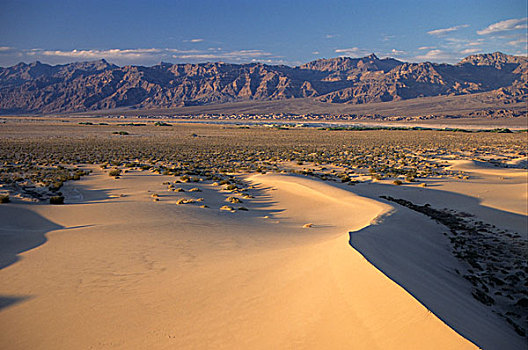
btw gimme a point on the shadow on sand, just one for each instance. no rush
(21, 230)
(410, 249)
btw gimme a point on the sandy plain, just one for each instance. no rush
(310, 265)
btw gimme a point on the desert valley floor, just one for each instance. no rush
(278, 245)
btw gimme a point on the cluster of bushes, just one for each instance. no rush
(221, 150)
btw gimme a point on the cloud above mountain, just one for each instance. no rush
(444, 31)
(507, 25)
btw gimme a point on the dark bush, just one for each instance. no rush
(57, 200)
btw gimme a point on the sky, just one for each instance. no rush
(241, 31)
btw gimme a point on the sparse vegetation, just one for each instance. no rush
(37, 168)
(233, 200)
(56, 200)
(495, 261)
(161, 124)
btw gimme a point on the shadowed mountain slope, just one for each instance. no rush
(97, 85)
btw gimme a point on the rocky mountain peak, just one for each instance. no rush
(39, 87)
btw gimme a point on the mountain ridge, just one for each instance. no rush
(99, 85)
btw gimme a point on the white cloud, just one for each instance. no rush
(510, 24)
(182, 51)
(398, 52)
(5, 49)
(353, 52)
(315, 53)
(98, 54)
(330, 36)
(437, 55)
(447, 30)
(139, 56)
(426, 48)
(195, 40)
(230, 55)
(456, 40)
(469, 51)
(518, 42)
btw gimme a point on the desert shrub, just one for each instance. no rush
(233, 200)
(115, 172)
(397, 182)
(162, 124)
(57, 200)
(55, 186)
(4, 198)
(184, 201)
(120, 133)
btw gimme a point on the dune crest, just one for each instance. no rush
(133, 273)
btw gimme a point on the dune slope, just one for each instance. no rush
(129, 272)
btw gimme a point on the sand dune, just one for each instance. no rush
(493, 195)
(128, 272)
(500, 188)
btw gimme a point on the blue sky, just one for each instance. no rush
(274, 32)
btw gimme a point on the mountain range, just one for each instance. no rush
(99, 85)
